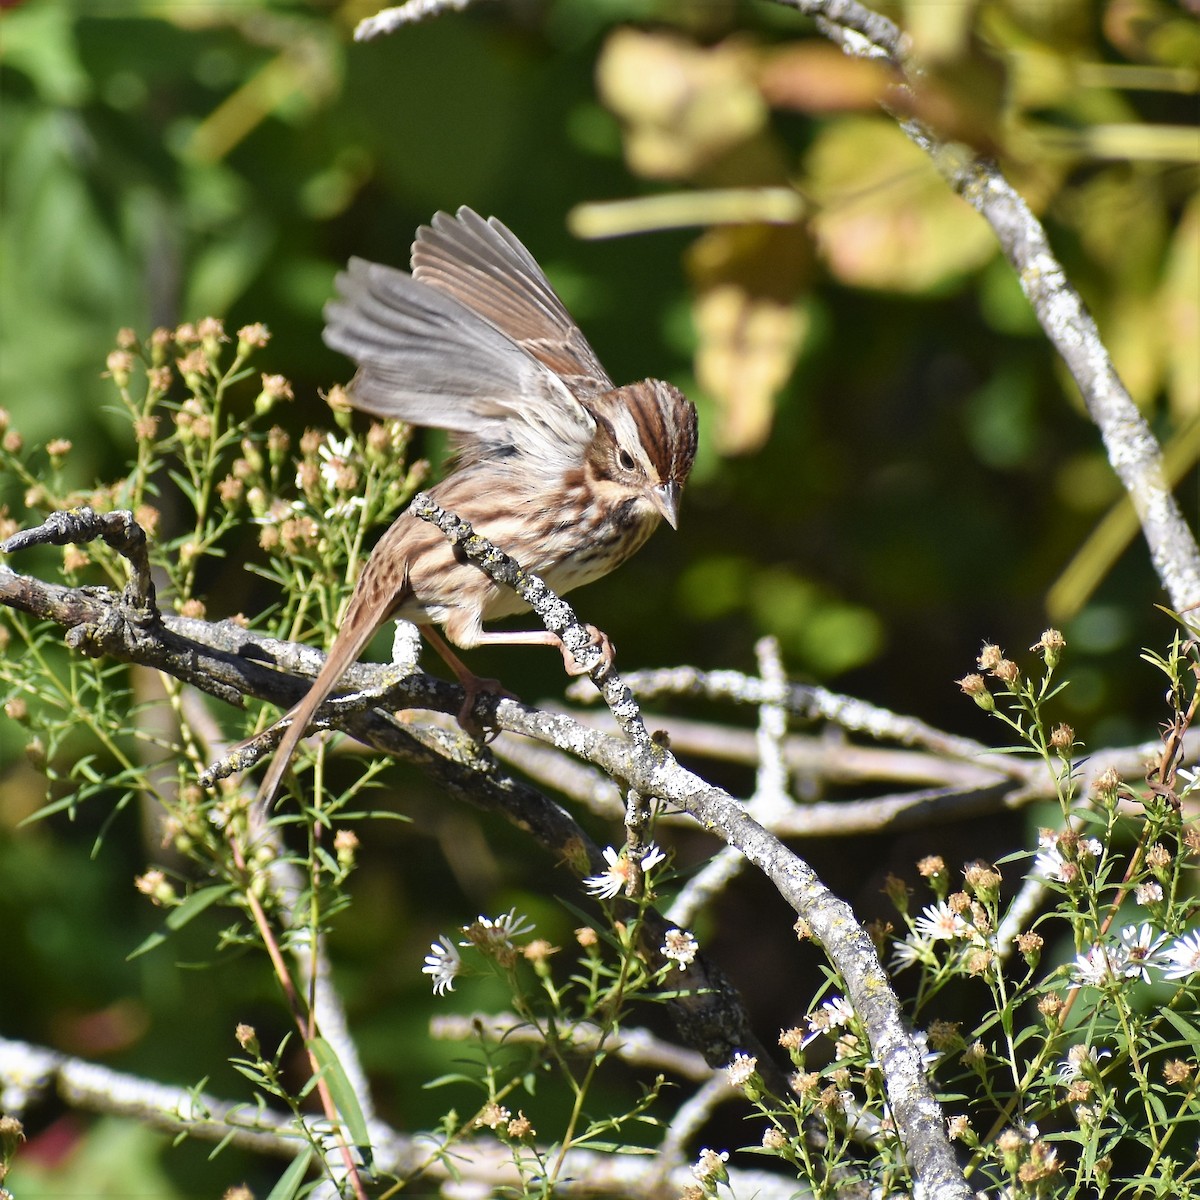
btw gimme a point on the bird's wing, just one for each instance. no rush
(425, 357)
(483, 265)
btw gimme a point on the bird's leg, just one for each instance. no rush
(476, 686)
(473, 685)
(543, 637)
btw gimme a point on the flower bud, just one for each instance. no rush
(12, 1134)
(345, 845)
(119, 364)
(1051, 646)
(232, 492)
(990, 656)
(1007, 672)
(1030, 945)
(278, 444)
(212, 334)
(156, 885)
(897, 892)
(58, 449)
(975, 687)
(160, 345)
(252, 337)
(1062, 739)
(274, 389)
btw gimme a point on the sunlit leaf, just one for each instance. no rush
(886, 219)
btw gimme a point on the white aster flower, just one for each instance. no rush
(1101, 964)
(496, 934)
(741, 1069)
(929, 1058)
(1078, 1059)
(711, 1166)
(1148, 893)
(833, 1014)
(443, 963)
(334, 457)
(938, 922)
(1143, 950)
(344, 508)
(1184, 956)
(652, 857)
(680, 947)
(907, 952)
(1049, 864)
(1191, 779)
(611, 882)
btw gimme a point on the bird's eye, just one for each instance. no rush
(626, 460)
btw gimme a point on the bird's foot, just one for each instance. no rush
(600, 639)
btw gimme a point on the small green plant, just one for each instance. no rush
(1081, 1076)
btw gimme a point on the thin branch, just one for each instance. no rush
(29, 1074)
(800, 700)
(117, 529)
(388, 20)
(1133, 451)
(771, 779)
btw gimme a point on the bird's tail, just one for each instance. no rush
(356, 631)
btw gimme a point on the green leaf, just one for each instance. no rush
(344, 1095)
(155, 940)
(177, 918)
(1188, 1031)
(196, 903)
(290, 1181)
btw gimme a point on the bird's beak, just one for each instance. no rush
(666, 500)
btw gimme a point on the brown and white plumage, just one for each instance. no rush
(553, 463)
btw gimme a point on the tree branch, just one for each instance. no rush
(1132, 449)
(652, 770)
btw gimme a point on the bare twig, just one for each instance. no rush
(118, 529)
(800, 700)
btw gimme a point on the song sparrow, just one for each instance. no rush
(554, 464)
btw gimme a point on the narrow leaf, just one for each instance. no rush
(290, 1181)
(196, 903)
(344, 1095)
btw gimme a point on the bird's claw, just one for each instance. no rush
(599, 639)
(475, 686)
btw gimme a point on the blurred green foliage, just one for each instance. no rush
(894, 465)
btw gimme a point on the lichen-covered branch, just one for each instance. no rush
(647, 766)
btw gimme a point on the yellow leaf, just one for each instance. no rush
(885, 217)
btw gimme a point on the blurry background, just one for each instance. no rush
(894, 466)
